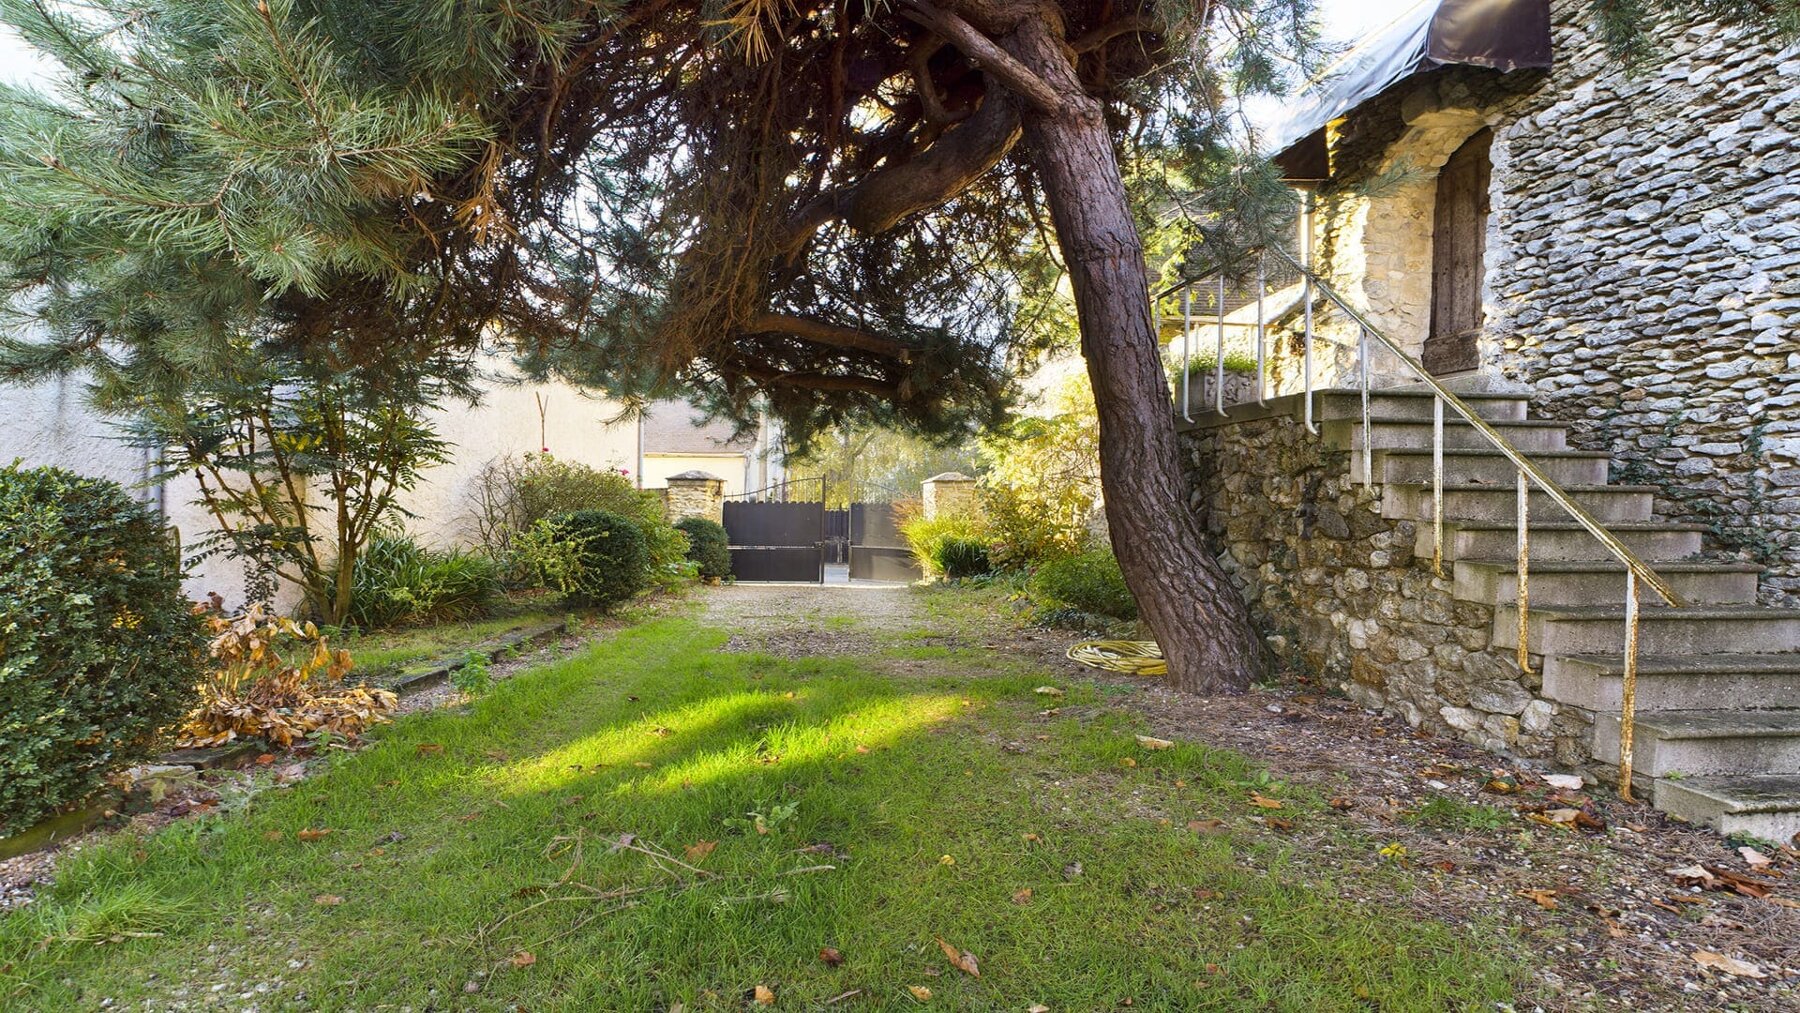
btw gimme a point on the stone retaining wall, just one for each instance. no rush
(1337, 592)
(1642, 259)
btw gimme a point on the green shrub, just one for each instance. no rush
(708, 545)
(1026, 529)
(513, 495)
(928, 536)
(593, 557)
(1087, 581)
(99, 648)
(963, 557)
(399, 581)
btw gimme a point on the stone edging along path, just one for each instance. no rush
(180, 764)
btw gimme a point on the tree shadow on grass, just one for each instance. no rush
(451, 859)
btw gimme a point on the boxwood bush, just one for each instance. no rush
(99, 648)
(596, 558)
(1087, 582)
(708, 545)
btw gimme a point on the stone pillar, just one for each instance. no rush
(696, 494)
(951, 492)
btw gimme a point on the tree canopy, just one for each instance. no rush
(817, 204)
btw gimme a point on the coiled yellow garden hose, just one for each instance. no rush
(1132, 657)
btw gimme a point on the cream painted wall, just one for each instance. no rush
(576, 426)
(730, 467)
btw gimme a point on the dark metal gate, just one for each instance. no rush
(775, 537)
(776, 541)
(877, 549)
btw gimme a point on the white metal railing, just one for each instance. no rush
(1529, 473)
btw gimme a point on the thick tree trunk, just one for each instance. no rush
(1183, 593)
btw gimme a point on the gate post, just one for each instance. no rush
(950, 492)
(696, 494)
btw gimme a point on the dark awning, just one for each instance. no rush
(1504, 35)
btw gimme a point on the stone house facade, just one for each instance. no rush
(1605, 263)
(1636, 259)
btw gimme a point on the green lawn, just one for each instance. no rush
(466, 839)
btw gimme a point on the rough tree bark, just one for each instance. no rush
(1183, 593)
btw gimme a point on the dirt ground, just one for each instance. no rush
(1596, 899)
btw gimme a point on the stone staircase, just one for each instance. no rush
(1718, 700)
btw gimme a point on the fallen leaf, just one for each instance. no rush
(946, 860)
(1037, 1007)
(641, 763)
(524, 958)
(920, 992)
(1032, 838)
(862, 749)
(962, 960)
(1127, 762)
(1202, 893)
(1545, 899)
(1565, 782)
(765, 996)
(831, 956)
(1207, 826)
(1562, 815)
(1050, 691)
(1730, 965)
(1754, 858)
(310, 835)
(1154, 743)
(1341, 804)
(1262, 802)
(1022, 896)
(1280, 824)
(430, 749)
(1501, 784)
(1784, 902)
(328, 900)
(265, 759)
(700, 849)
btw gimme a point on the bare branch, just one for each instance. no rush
(1100, 36)
(821, 332)
(823, 381)
(986, 52)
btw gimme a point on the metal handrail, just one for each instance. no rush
(1636, 570)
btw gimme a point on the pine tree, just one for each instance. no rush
(824, 207)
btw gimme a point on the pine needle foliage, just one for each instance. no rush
(815, 206)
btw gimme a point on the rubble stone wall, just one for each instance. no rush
(1337, 592)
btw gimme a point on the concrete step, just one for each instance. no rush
(1330, 405)
(1609, 503)
(1585, 582)
(1484, 467)
(1562, 540)
(1687, 743)
(1669, 682)
(1696, 629)
(1765, 806)
(1529, 435)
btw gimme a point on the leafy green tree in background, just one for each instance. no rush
(824, 207)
